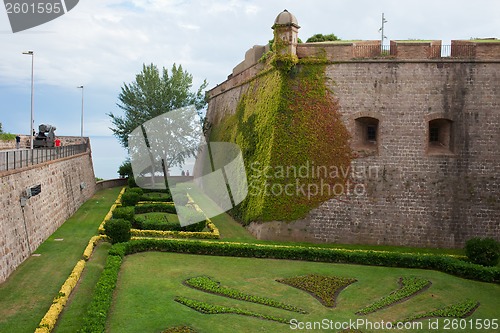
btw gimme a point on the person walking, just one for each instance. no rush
(18, 141)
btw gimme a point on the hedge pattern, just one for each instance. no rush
(206, 284)
(322, 287)
(409, 286)
(167, 207)
(458, 310)
(208, 308)
(95, 318)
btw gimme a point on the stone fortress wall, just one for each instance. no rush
(66, 184)
(412, 190)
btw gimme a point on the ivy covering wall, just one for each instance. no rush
(294, 144)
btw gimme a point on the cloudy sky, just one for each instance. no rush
(101, 44)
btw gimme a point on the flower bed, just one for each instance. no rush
(208, 308)
(206, 284)
(409, 287)
(458, 310)
(324, 288)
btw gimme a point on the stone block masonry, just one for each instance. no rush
(65, 185)
(416, 194)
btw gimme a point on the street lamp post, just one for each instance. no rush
(81, 131)
(32, 98)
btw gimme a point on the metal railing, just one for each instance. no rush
(465, 51)
(16, 159)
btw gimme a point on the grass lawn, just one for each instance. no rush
(75, 309)
(28, 292)
(158, 216)
(149, 282)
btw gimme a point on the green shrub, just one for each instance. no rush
(156, 221)
(130, 198)
(137, 190)
(131, 182)
(126, 213)
(155, 208)
(7, 136)
(118, 230)
(157, 196)
(484, 251)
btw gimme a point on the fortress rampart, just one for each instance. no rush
(369, 51)
(66, 183)
(424, 120)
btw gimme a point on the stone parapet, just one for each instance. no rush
(25, 221)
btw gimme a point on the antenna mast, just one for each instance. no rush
(382, 36)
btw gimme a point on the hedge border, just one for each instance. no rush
(109, 215)
(136, 233)
(442, 263)
(50, 318)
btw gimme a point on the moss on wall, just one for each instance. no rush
(294, 144)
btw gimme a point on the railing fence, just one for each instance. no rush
(16, 159)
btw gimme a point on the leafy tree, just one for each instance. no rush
(125, 169)
(322, 38)
(1, 130)
(152, 94)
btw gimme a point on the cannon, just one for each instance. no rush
(46, 136)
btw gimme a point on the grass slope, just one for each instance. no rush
(28, 292)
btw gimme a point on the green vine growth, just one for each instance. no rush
(294, 143)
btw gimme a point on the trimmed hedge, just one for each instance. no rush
(155, 221)
(130, 198)
(155, 208)
(126, 213)
(49, 321)
(137, 190)
(118, 230)
(441, 263)
(483, 251)
(156, 196)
